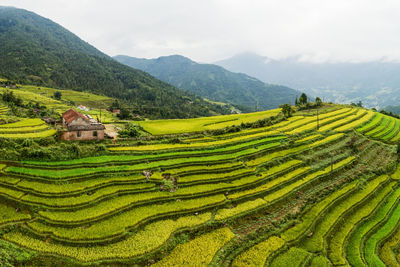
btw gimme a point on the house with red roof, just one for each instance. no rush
(81, 127)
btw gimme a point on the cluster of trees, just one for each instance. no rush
(389, 113)
(303, 102)
(358, 104)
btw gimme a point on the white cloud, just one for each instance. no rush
(209, 30)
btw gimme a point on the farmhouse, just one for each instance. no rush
(81, 127)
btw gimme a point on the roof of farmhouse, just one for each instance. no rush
(88, 123)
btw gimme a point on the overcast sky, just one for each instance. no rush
(210, 30)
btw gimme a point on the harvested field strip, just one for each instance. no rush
(360, 113)
(393, 132)
(374, 239)
(41, 134)
(79, 172)
(356, 123)
(119, 223)
(146, 240)
(199, 251)
(258, 254)
(316, 242)
(294, 150)
(381, 127)
(234, 147)
(23, 123)
(336, 242)
(314, 124)
(376, 120)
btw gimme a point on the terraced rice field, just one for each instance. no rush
(306, 192)
(3, 110)
(26, 128)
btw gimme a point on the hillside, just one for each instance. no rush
(376, 83)
(35, 50)
(214, 82)
(312, 190)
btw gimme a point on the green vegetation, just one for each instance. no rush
(275, 195)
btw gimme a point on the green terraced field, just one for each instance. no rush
(280, 195)
(26, 128)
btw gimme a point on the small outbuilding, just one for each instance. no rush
(81, 127)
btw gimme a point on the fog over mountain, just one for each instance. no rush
(375, 83)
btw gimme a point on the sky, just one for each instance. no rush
(211, 30)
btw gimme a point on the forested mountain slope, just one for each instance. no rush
(214, 82)
(36, 50)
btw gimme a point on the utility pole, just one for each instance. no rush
(100, 115)
(317, 119)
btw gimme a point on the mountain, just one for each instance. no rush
(376, 84)
(214, 82)
(36, 50)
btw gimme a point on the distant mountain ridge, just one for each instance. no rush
(214, 82)
(35, 50)
(376, 84)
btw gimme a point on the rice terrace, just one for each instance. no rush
(203, 133)
(310, 190)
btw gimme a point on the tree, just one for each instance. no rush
(57, 95)
(286, 110)
(303, 99)
(318, 101)
(296, 102)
